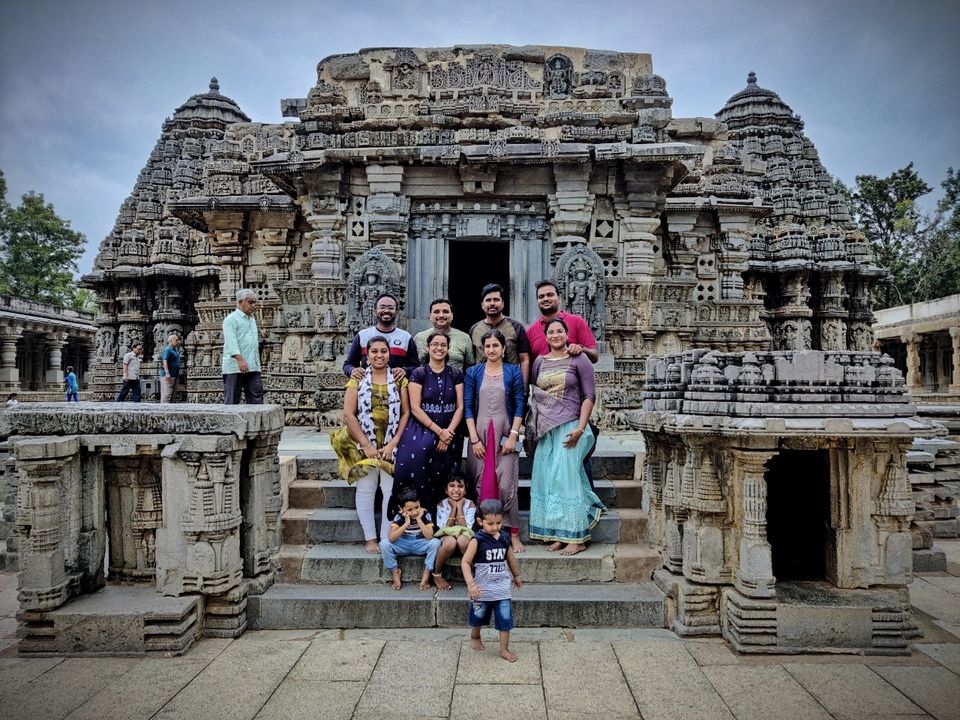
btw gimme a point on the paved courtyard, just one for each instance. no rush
(561, 674)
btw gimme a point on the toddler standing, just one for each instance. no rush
(488, 565)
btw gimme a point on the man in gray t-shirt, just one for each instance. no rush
(131, 374)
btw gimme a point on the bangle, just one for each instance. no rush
(474, 442)
(514, 432)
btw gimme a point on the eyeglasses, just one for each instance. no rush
(438, 344)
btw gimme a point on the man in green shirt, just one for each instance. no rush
(460, 355)
(241, 352)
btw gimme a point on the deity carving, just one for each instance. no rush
(373, 273)
(558, 77)
(579, 277)
(794, 335)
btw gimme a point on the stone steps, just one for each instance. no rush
(337, 493)
(339, 525)
(328, 580)
(302, 606)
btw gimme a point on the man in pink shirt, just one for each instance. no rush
(579, 336)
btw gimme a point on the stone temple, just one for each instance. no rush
(720, 271)
(432, 171)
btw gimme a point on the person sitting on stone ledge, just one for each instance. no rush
(411, 533)
(403, 350)
(375, 412)
(241, 352)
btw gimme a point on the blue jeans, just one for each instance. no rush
(481, 610)
(408, 546)
(72, 396)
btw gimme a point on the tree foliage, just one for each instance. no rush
(38, 250)
(920, 250)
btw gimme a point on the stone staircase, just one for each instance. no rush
(327, 580)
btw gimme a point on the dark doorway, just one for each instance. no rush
(798, 513)
(473, 264)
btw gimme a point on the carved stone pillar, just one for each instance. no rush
(571, 207)
(198, 546)
(227, 243)
(734, 253)
(54, 346)
(45, 467)
(9, 374)
(388, 210)
(914, 378)
(87, 379)
(754, 576)
(638, 239)
(955, 378)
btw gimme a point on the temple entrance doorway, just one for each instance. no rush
(798, 513)
(471, 265)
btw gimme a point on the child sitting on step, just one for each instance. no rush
(488, 565)
(411, 533)
(455, 517)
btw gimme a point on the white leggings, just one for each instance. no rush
(366, 494)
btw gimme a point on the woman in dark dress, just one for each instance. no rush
(424, 459)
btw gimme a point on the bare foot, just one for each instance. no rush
(516, 544)
(372, 547)
(553, 547)
(395, 582)
(573, 549)
(508, 656)
(425, 580)
(441, 584)
(476, 643)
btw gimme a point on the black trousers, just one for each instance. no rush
(129, 385)
(247, 383)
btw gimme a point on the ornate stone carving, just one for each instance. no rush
(579, 276)
(371, 274)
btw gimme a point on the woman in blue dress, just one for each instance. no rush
(424, 458)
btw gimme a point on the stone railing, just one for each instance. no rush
(809, 383)
(186, 497)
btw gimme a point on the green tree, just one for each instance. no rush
(38, 250)
(886, 210)
(84, 300)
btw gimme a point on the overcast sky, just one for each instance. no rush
(85, 86)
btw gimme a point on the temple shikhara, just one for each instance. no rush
(762, 492)
(429, 172)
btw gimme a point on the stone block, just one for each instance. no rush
(929, 560)
(824, 627)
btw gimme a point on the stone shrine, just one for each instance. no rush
(432, 171)
(777, 489)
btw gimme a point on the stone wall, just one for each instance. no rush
(186, 498)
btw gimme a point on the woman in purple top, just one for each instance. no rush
(424, 457)
(563, 508)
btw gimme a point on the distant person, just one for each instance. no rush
(169, 368)
(580, 338)
(12, 400)
(241, 353)
(460, 353)
(131, 374)
(71, 385)
(517, 350)
(403, 350)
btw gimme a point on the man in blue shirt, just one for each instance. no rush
(241, 352)
(169, 368)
